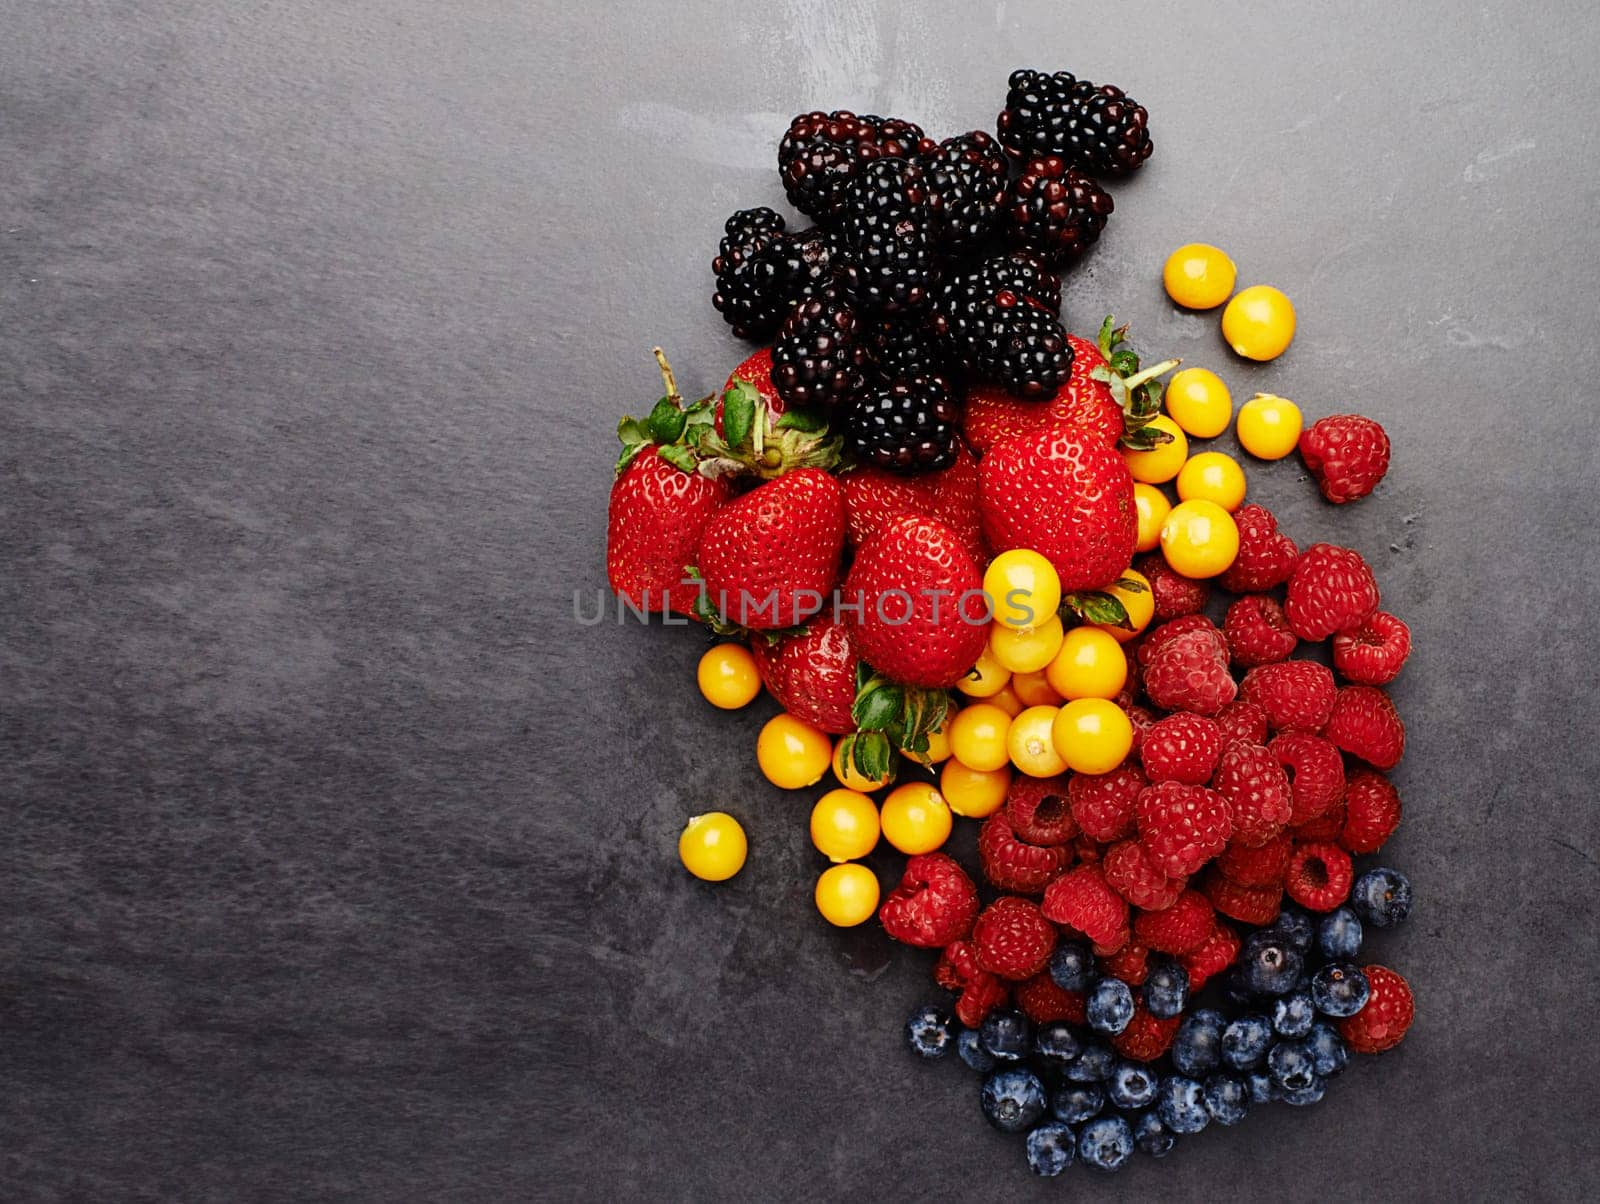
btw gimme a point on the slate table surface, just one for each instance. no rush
(338, 860)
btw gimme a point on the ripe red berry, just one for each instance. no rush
(1383, 1022)
(1319, 876)
(1102, 804)
(1296, 695)
(1242, 720)
(1181, 928)
(1374, 653)
(1347, 454)
(1265, 559)
(1189, 672)
(1013, 939)
(1257, 631)
(1044, 1003)
(1131, 964)
(1254, 905)
(1174, 594)
(1040, 811)
(1365, 724)
(1157, 637)
(1181, 748)
(1133, 873)
(1331, 590)
(1264, 866)
(1315, 770)
(1326, 826)
(1013, 865)
(1219, 952)
(1082, 899)
(934, 904)
(1371, 811)
(1182, 827)
(1250, 777)
(1146, 1038)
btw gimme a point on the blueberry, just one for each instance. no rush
(1245, 1042)
(1106, 1143)
(1007, 1035)
(1293, 1015)
(1339, 935)
(928, 1032)
(1340, 989)
(1051, 1148)
(1328, 1050)
(1234, 991)
(1132, 1085)
(1094, 1064)
(1269, 963)
(1291, 1065)
(1180, 1102)
(1262, 1089)
(1166, 988)
(1072, 966)
(1078, 1102)
(1198, 1045)
(1151, 1136)
(1294, 926)
(1226, 1098)
(1381, 897)
(1012, 1099)
(1309, 1094)
(1055, 1043)
(1110, 1006)
(970, 1047)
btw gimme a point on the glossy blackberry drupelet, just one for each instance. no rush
(893, 263)
(1056, 211)
(819, 358)
(999, 324)
(902, 347)
(907, 426)
(967, 187)
(762, 271)
(822, 152)
(1099, 129)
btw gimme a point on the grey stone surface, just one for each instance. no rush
(338, 863)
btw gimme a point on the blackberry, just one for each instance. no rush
(762, 271)
(902, 347)
(818, 357)
(1100, 129)
(908, 426)
(1056, 211)
(822, 152)
(967, 188)
(998, 324)
(1021, 273)
(888, 232)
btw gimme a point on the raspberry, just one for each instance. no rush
(1174, 594)
(1013, 939)
(1182, 928)
(1347, 454)
(1182, 827)
(1382, 1023)
(1241, 720)
(1081, 899)
(1131, 964)
(1265, 557)
(1181, 748)
(1014, 865)
(1141, 718)
(1371, 811)
(1156, 637)
(1044, 1003)
(1326, 826)
(1264, 866)
(934, 904)
(1115, 945)
(980, 991)
(1257, 631)
(1365, 724)
(1251, 779)
(1319, 876)
(1087, 850)
(1039, 810)
(1134, 875)
(1374, 653)
(1146, 1038)
(1219, 952)
(1189, 672)
(1296, 695)
(957, 966)
(1254, 905)
(1315, 770)
(1331, 590)
(1102, 804)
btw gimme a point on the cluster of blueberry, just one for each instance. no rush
(1275, 1037)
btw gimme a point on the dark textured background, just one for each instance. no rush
(338, 862)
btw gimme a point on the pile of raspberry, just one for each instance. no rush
(1257, 775)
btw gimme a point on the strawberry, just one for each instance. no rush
(1066, 495)
(874, 495)
(656, 516)
(903, 603)
(755, 371)
(812, 673)
(991, 415)
(1347, 454)
(771, 557)
(751, 431)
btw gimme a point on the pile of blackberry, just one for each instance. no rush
(1087, 1093)
(910, 287)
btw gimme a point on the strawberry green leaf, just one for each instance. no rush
(1145, 438)
(806, 421)
(631, 430)
(1093, 606)
(678, 456)
(739, 413)
(666, 421)
(878, 706)
(870, 753)
(630, 452)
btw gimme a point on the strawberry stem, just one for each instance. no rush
(1148, 374)
(667, 378)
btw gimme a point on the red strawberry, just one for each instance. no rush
(1296, 695)
(1190, 673)
(874, 495)
(1012, 864)
(1044, 1003)
(771, 557)
(1085, 400)
(1372, 811)
(1182, 827)
(1066, 495)
(1174, 594)
(1013, 939)
(1347, 454)
(1083, 900)
(1133, 873)
(1383, 1022)
(755, 371)
(1257, 631)
(1181, 928)
(1251, 778)
(934, 904)
(1374, 653)
(992, 415)
(1365, 724)
(1181, 748)
(1331, 590)
(812, 673)
(908, 587)
(653, 527)
(1265, 559)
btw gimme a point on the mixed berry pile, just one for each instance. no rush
(936, 527)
